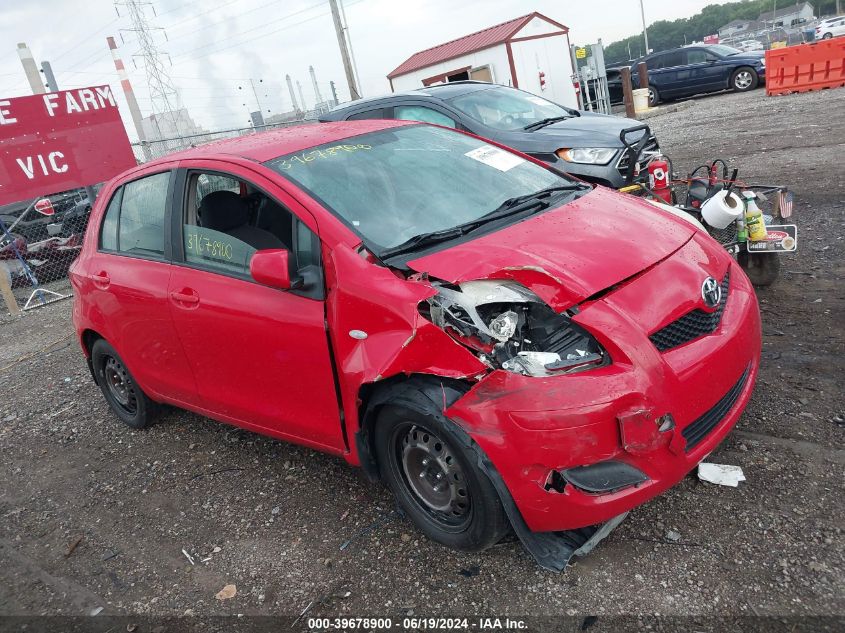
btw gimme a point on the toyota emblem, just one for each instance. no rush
(711, 292)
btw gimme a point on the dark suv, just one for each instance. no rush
(683, 72)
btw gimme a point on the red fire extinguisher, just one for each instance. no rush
(658, 179)
(542, 80)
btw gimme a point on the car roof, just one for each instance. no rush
(439, 91)
(263, 146)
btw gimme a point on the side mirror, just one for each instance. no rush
(270, 267)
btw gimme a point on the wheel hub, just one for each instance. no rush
(119, 384)
(433, 474)
(743, 79)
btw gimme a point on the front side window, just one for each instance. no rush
(397, 184)
(225, 224)
(697, 56)
(422, 114)
(507, 108)
(134, 220)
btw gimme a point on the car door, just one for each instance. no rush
(706, 73)
(675, 75)
(260, 355)
(126, 286)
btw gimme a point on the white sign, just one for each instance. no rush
(495, 157)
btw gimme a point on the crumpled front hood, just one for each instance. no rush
(567, 254)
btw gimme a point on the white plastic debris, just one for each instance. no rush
(721, 474)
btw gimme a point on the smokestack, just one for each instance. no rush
(301, 96)
(314, 83)
(134, 110)
(31, 69)
(292, 94)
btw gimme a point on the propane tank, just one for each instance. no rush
(754, 222)
(658, 179)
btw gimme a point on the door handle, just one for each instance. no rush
(101, 279)
(185, 297)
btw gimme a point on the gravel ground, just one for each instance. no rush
(290, 527)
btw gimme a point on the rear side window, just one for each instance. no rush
(108, 233)
(141, 227)
(421, 113)
(134, 220)
(378, 113)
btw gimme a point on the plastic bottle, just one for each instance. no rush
(754, 222)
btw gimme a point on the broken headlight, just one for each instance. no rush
(511, 328)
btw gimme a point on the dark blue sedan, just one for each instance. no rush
(683, 72)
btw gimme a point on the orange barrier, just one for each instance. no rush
(806, 67)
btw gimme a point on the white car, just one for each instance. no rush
(750, 45)
(832, 27)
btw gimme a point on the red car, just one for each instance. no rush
(505, 347)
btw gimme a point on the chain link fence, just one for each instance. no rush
(40, 238)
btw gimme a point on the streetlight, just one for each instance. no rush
(645, 31)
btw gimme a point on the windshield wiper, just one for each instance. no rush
(512, 206)
(422, 240)
(547, 121)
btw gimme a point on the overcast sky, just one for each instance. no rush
(216, 46)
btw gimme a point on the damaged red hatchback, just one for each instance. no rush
(505, 347)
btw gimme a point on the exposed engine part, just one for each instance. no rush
(511, 328)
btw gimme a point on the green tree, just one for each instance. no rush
(665, 34)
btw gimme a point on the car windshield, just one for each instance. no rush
(506, 108)
(724, 51)
(396, 184)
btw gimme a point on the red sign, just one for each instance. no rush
(711, 39)
(60, 140)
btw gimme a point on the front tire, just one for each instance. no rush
(119, 388)
(744, 79)
(436, 479)
(827, 36)
(762, 268)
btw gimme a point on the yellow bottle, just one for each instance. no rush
(754, 222)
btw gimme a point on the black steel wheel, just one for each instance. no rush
(436, 478)
(119, 388)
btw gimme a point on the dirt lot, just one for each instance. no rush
(290, 527)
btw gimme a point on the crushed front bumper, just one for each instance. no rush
(657, 413)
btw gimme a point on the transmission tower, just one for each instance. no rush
(163, 95)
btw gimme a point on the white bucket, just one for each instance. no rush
(640, 99)
(722, 209)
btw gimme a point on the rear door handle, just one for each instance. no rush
(185, 297)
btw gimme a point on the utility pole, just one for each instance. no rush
(163, 94)
(645, 30)
(131, 101)
(352, 50)
(292, 94)
(344, 52)
(31, 69)
(49, 77)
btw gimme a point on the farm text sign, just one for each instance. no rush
(60, 140)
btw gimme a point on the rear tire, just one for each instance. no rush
(119, 388)
(762, 268)
(744, 79)
(653, 96)
(418, 451)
